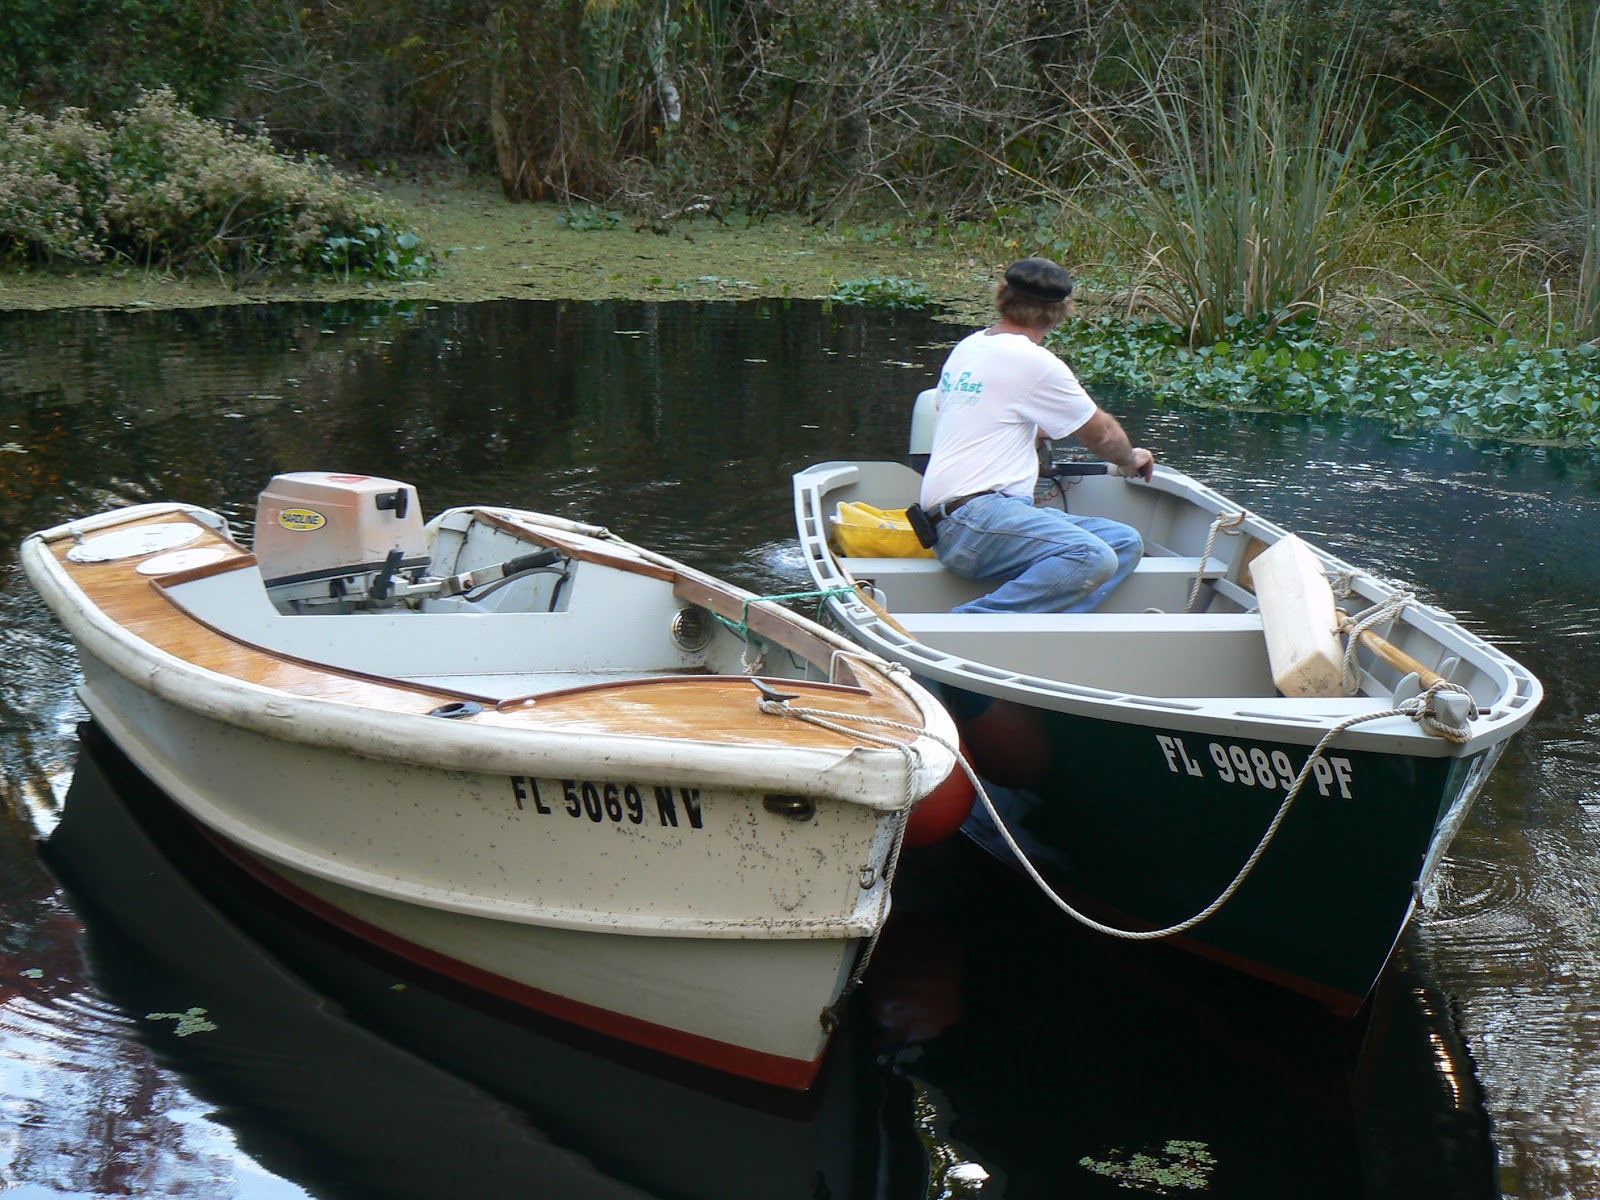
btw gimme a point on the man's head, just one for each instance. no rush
(1035, 293)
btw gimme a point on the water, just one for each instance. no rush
(993, 1039)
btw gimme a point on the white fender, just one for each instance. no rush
(1299, 618)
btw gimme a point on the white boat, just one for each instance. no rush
(516, 749)
(1144, 761)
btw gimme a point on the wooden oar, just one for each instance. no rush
(1398, 658)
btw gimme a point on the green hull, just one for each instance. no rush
(1146, 826)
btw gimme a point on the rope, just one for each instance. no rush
(1223, 521)
(742, 625)
(1354, 626)
(1418, 709)
(821, 717)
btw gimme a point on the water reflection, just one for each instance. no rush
(995, 1038)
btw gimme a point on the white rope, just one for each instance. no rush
(1418, 709)
(1223, 521)
(1354, 626)
(821, 717)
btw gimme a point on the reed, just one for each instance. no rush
(1239, 166)
(1549, 136)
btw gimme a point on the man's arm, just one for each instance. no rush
(1103, 435)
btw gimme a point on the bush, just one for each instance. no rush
(159, 186)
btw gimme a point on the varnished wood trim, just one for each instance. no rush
(556, 541)
(777, 682)
(707, 593)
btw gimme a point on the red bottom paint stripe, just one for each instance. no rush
(758, 1065)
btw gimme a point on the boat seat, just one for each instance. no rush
(1152, 654)
(635, 611)
(914, 585)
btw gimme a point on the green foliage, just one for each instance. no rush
(1242, 170)
(159, 186)
(1550, 139)
(1505, 389)
(881, 291)
(1180, 1166)
(100, 54)
(588, 217)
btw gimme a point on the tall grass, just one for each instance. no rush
(1550, 136)
(1239, 163)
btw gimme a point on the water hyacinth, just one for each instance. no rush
(1509, 389)
(161, 187)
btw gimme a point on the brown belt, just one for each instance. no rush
(940, 511)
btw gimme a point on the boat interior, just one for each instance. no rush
(1186, 623)
(581, 613)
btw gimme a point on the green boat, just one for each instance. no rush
(1144, 763)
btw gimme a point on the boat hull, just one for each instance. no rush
(744, 995)
(519, 750)
(1145, 826)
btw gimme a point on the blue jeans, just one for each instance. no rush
(1048, 560)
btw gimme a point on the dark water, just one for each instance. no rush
(993, 1038)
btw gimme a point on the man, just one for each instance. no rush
(999, 392)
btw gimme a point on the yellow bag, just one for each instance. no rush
(862, 531)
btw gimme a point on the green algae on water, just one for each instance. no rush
(190, 1021)
(1180, 1166)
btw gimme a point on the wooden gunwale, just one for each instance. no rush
(700, 707)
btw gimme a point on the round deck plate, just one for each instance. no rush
(181, 560)
(136, 542)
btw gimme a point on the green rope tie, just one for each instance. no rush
(742, 625)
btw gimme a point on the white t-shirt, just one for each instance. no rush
(997, 393)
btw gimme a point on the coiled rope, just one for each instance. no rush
(1386, 610)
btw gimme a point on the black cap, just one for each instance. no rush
(1039, 279)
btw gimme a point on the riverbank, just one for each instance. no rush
(493, 249)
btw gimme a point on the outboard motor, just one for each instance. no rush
(327, 541)
(923, 416)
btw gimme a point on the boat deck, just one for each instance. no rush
(648, 702)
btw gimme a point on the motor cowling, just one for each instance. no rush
(315, 524)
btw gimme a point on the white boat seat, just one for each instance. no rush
(1152, 654)
(635, 612)
(923, 584)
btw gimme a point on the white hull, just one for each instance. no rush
(698, 881)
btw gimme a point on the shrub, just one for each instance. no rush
(46, 169)
(160, 186)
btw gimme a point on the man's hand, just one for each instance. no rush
(1141, 463)
(1104, 436)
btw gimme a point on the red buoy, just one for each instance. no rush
(942, 811)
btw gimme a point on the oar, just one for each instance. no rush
(1398, 658)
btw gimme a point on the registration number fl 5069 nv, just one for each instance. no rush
(609, 803)
(1254, 766)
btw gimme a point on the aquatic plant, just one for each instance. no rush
(880, 291)
(1180, 1166)
(189, 1021)
(587, 217)
(1509, 388)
